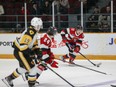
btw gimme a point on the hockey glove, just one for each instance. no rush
(54, 64)
(69, 47)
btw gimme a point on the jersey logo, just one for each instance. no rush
(31, 32)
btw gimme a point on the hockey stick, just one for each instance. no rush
(60, 76)
(56, 73)
(97, 65)
(86, 68)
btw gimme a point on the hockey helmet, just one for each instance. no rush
(79, 27)
(52, 30)
(37, 23)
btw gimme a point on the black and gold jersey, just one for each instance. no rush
(27, 40)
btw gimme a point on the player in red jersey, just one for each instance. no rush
(73, 39)
(45, 46)
(47, 57)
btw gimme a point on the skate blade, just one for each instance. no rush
(6, 83)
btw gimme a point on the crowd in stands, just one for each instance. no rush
(99, 21)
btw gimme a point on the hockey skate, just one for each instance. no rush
(25, 78)
(31, 85)
(62, 58)
(8, 82)
(71, 60)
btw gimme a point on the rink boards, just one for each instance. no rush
(95, 46)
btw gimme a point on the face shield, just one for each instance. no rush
(52, 31)
(38, 27)
(79, 30)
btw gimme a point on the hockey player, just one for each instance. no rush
(73, 39)
(45, 43)
(22, 47)
(47, 57)
(45, 46)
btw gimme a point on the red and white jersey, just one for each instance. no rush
(45, 41)
(71, 35)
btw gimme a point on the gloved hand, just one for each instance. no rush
(54, 64)
(69, 47)
(64, 39)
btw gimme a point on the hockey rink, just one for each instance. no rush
(77, 76)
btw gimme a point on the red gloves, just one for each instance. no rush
(54, 64)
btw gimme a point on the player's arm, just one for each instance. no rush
(23, 43)
(36, 48)
(63, 33)
(80, 39)
(48, 57)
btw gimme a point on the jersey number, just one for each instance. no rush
(47, 41)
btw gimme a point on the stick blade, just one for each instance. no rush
(99, 64)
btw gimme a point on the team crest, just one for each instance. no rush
(31, 32)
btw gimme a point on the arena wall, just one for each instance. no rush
(100, 46)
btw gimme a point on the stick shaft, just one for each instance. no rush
(86, 67)
(61, 77)
(91, 69)
(87, 59)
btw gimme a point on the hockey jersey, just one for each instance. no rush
(70, 35)
(45, 43)
(27, 40)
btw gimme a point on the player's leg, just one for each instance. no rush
(73, 54)
(18, 71)
(66, 56)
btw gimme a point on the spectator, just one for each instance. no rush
(85, 6)
(106, 9)
(36, 10)
(38, 2)
(46, 8)
(104, 23)
(57, 6)
(22, 12)
(64, 6)
(77, 7)
(93, 20)
(104, 19)
(22, 17)
(1, 13)
(1, 9)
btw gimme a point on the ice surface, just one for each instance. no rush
(77, 76)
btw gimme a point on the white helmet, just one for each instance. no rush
(37, 23)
